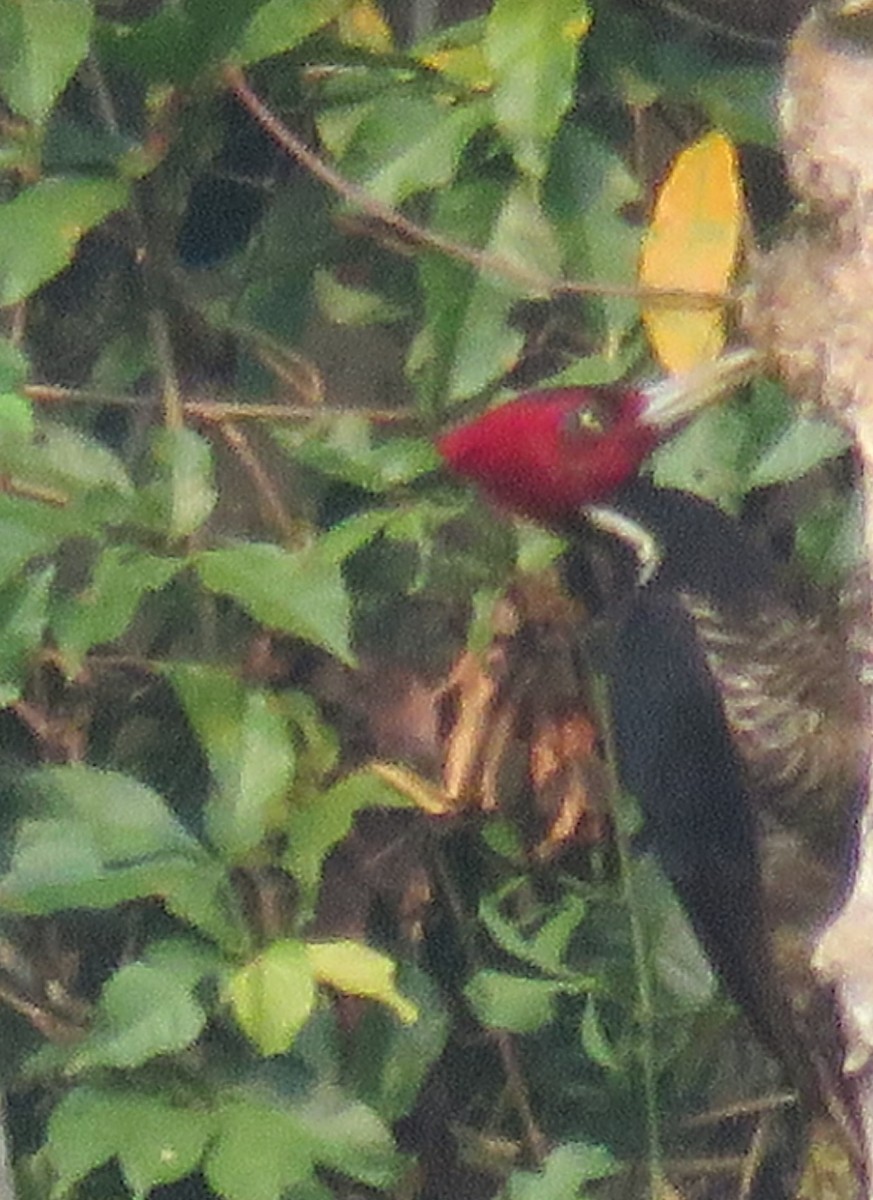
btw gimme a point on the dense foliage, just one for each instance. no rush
(254, 254)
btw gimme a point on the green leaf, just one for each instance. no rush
(679, 960)
(806, 444)
(41, 227)
(273, 996)
(532, 50)
(316, 825)
(129, 821)
(349, 1137)
(538, 549)
(545, 946)
(155, 1140)
(57, 865)
(259, 1151)
(300, 592)
(512, 1002)
(390, 1059)
(522, 238)
(467, 341)
(280, 25)
(264, 1151)
(187, 959)
(103, 611)
(14, 366)
(320, 743)
(349, 454)
(42, 43)
(23, 618)
(101, 838)
(28, 529)
(705, 458)
(144, 1010)
(359, 970)
(562, 1174)
(349, 536)
(586, 192)
(182, 494)
(69, 463)
(404, 144)
(16, 418)
(248, 745)
(739, 101)
(201, 892)
(594, 1040)
(343, 304)
(178, 42)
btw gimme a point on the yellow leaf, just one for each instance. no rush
(363, 25)
(359, 970)
(691, 245)
(423, 794)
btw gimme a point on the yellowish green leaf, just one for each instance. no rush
(364, 25)
(466, 65)
(359, 970)
(273, 995)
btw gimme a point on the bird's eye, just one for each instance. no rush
(592, 417)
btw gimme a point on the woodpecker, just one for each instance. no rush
(736, 715)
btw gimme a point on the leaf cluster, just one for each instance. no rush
(252, 256)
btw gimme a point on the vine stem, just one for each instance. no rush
(531, 280)
(516, 1085)
(215, 412)
(645, 1006)
(157, 323)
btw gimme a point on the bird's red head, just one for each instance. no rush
(549, 453)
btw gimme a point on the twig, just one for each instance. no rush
(33, 491)
(754, 1157)
(269, 500)
(482, 260)
(216, 411)
(741, 1108)
(52, 393)
(171, 395)
(54, 1027)
(515, 1082)
(537, 1143)
(158, 325)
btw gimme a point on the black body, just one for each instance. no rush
(705, 811)
(674, 750)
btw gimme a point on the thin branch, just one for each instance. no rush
(536, 1141)
(216, 411)
(33, 491)
(53, 1026)
(754, 1157)
(482, 260)
(269, 501)
(515, 1082)
(741, 1108)
(158, 325)
(645, 1001)
(171, 394)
